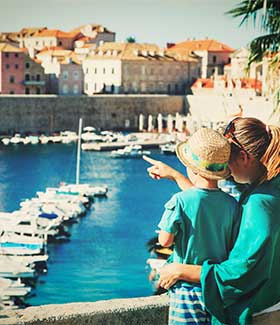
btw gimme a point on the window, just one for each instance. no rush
(12, 92)
(113, 70)
(95, 70)
(104, 70)
(86, 70)
(27, 77)
(76, 75)
(60, 43)
(86, 86)
(214, 59)
(112, 89)
(38, 77)
(16, 66)
(7, 55)
(38, 91)
(168, 88)
(65, 89)
(12, 79)
(75, 89)
(16, 55)
(65, 75)
(7, 66)
(27, 65)
(27, 91)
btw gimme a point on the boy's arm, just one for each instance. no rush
(165, 238)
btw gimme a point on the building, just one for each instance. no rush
(238, 87)
(131, 68)
(64, 71)
(11, 69)
(43, 38)
(94, 34)
(215, 55)
(35, 79)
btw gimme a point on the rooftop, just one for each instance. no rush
(209, 45)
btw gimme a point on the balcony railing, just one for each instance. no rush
(34, 82)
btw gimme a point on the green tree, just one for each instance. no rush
(130, 39)
(265, 13)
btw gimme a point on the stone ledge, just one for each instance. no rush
(137, 311)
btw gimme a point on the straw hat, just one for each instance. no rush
(207, 153)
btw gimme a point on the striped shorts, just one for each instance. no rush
(186, 306)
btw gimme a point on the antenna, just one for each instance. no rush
(79, 152)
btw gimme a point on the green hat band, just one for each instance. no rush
(212, 167)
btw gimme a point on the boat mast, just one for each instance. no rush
(79, 152)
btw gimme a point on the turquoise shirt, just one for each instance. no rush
(248, 281)
(205, 224)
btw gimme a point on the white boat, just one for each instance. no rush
(131, 151)
(13, 288)
(11, 243)
(14, 270)
(84, 189)
(168, 149)
(44, 139)
(16, 139)
(5, 141)
(91, 137)
(68, 136)
(34, 139)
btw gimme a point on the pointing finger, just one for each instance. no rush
(150, 160)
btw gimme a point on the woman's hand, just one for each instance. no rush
(169, 275)
(159, 169)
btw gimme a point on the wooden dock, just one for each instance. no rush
(108, 146)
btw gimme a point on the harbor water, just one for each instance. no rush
(106, 255)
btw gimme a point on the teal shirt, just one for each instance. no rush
(248, 281)
(205, 224)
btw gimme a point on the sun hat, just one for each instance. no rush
(207, 153)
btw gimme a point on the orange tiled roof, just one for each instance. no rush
(205, 83)
(246, 83)
(95, 27)
(55, 33)
(138, 52)
(5, 47)
(209, 45)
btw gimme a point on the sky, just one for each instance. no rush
(148, 21)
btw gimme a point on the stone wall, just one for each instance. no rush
(49, 113)
(137, 311)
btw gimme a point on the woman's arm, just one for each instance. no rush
(173, 272)
(160, 170)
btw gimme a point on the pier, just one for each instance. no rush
(105, 146)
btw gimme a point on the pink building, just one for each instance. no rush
(11, 69)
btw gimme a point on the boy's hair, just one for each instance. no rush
(207, 153)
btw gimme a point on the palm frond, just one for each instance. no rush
(261, 45)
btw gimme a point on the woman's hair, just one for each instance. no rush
(261, 141)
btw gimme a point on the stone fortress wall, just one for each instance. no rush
(48, 113)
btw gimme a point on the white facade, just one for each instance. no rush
(102, 76)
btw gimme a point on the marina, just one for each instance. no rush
(96, 252)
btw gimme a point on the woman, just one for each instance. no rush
(248, 281)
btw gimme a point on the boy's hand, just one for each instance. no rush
(158, 169)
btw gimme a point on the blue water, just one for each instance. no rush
(106, 255)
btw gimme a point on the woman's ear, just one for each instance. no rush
(246, 158)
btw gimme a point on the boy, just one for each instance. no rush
(202, 221)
